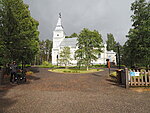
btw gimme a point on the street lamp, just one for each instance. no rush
(117, 45)
(22, 56)
(57, 60)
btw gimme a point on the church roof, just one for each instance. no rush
(69, 42)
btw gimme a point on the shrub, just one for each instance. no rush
(45, 63)
(29, 73)
(113, 75)
(98, 69)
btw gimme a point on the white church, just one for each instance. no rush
(59, 42)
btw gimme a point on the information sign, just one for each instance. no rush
(134, 73)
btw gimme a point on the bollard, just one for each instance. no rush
(0, 77)
(119, 76)
(127, 78)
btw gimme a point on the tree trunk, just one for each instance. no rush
(87, 68)
(35, 60)
(47, 56)
(65, 66)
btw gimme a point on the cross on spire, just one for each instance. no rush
(59, 25)
(59, 15)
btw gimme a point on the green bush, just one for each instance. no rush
(46, 64)
(93, 66)
(113, 75)
(76, 70)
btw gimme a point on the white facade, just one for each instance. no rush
(59, 41)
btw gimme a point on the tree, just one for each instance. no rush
(48, 47)
(126, 56)
(89, 46)
(111, 42)
(45, 53)
(19, 34)
(72, 35)
(137, 49)
(40, 56)
(65, 57)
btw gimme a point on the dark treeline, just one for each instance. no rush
(45, 52)
(136, 50)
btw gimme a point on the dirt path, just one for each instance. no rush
(48, 92)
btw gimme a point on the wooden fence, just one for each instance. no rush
(137, 78)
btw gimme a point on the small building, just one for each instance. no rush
(59, 42)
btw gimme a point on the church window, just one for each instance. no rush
(99, 55)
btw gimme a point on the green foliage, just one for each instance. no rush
(46, 64)
(72, 36)
(111, 43)
(19, 35)
(98, 66)
(136, 48)
(89, 46)
(114, 74)
(48, 49)
(45, 52)
(76, 70)
(65, 57)
(119, 51)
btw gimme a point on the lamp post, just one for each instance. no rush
(118, 54)
(57, 60)
(22, 56)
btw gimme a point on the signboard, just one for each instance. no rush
(134, 73)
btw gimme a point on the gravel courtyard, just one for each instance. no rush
(48, 92)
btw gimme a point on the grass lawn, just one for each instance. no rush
(75, 70)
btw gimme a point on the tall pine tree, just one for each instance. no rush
(137, 47)
(19, 34)
(111, 43)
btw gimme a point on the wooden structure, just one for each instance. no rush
(138, 78)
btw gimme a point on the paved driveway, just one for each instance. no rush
(48, 92)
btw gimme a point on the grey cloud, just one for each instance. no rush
(106, 16)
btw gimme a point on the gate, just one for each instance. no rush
(137, 78)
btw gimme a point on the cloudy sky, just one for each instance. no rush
(106, 16)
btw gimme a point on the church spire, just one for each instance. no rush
(59, 15)
(59, 26)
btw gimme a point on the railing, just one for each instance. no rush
(133, 77)
(137, 78)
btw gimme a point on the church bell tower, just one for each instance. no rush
(58, 33)
(58, 37)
